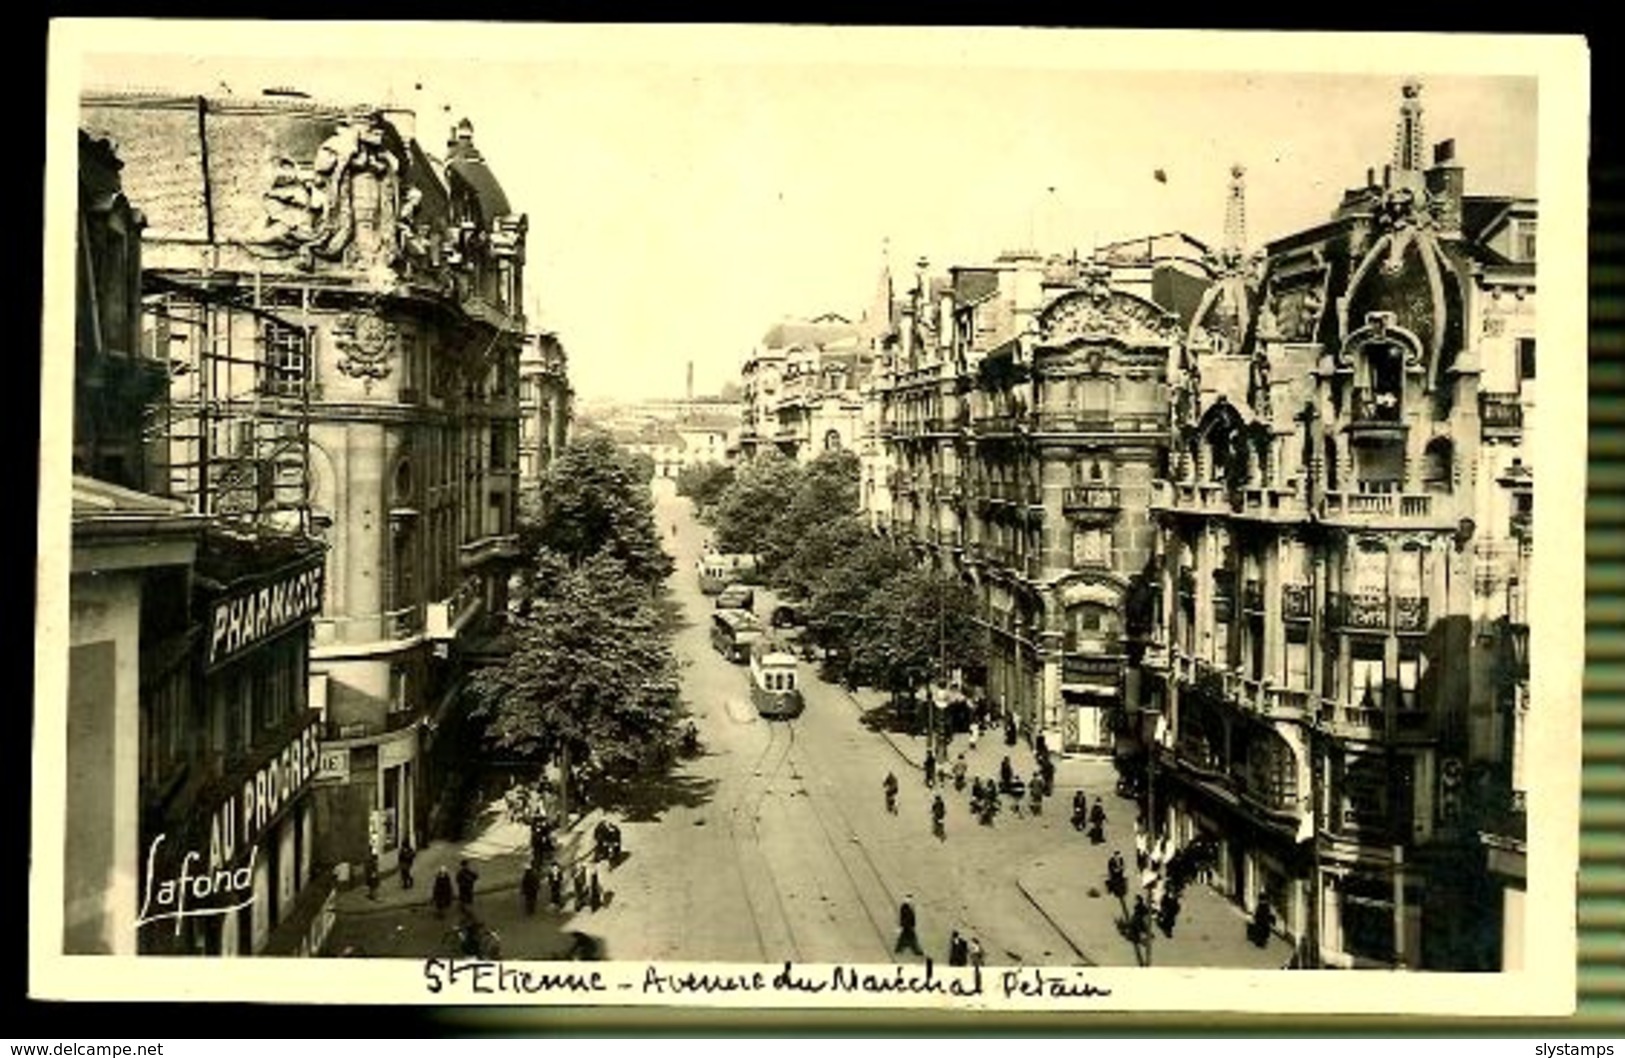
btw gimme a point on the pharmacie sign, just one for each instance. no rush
(240, 621)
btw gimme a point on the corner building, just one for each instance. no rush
(1329, 690)
(374, 290)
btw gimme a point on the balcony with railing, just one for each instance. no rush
(1269, 503)
(1097, 671)
(1372, 507)
(498, 545)
(1410, 613)
(1350, 721)
(1376, 411)
(1206, 497)
(998, 424)
(1297, 602)
(1091, 498)
(446, 617)
(1358, 610)
(1500, 413)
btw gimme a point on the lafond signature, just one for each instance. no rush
(167, 899)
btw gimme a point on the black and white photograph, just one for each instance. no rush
(978, 517)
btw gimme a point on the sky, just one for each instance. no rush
(686, 188)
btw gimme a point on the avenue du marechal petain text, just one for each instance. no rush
(490, 977)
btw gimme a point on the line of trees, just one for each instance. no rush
(881, 618)
(591, 681)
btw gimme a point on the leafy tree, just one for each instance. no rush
(826, 545)
(923, 625)
(704, 483)
(840, 603)
(828, 489)
(593, 500)
(588, 680)
(750, 507)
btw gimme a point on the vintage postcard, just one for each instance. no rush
(811, 517)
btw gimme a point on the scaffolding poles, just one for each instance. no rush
(237, 422)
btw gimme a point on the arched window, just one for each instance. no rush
(1438, 465)
(832, 441)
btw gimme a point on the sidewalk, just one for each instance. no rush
(1211, 931)
(498, 851)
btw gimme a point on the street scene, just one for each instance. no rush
(1109, 550)
(775, 843)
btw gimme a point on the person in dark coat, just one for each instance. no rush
(1007, 774)
(442, 891)
(407, 856)
(466, 877)
(555, 885)
(530, 887)
(578, 883)
(595, 892)
(907, 939)
(956, 950)
(372, 876)
(1009, 730)
(939, 814)
(1263, 923)
(1097, 823)
(930, 768)
(1140, 920)
(1168, 913)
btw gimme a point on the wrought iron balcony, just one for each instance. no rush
(1100, 670)
(1410, 613)
(1358, 610)
(1500, 412)
(1297, 602)
(1376, 408)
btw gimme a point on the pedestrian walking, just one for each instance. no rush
(975, 734)
(930, 768)
(974, 953)
(907, 939)
(1097, 823)
(956, 949)
(579, 884)
(1263, 923)
(372, 875)
(1168, 912)
(1009, 730)
(595, 892)
(1007, 774)
(466, 877)
(939, 815)
(890, 786)
(442, 891)
(555, 885)
(1141, 858)
(407, 857)
(530, 887)
(1140, 921)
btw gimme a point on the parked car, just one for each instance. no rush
(736, 597)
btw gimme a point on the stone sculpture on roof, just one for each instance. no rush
(345, 205)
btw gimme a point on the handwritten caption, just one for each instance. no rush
(491, 977)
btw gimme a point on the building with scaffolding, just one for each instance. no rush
(339, 310)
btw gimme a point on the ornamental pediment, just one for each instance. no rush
(1111, 314)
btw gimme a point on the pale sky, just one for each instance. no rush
(687, 188)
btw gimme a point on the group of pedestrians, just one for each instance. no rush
(962, 950)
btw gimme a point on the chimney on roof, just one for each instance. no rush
(1446, 182)
(462, 137)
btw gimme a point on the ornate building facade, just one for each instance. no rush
(545, 406)
(1024, 414)
(1329, 681)
(353, 303)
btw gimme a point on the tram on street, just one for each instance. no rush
(775, 682)
(718, 570)
(734, 632)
